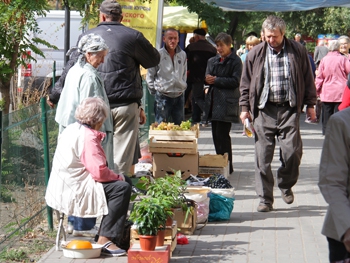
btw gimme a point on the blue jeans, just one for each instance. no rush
(81, 224)
(166, 108)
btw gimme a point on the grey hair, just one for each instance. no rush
(223, 38)
(321, 43)
(297, 35)
(333, 45)
(344, 37)
(92, 111)
(90, 43)
(274, 23)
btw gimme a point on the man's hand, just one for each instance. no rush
(311, 114)
(244, 115)
(143, 117)
(346, 240)
(209, 79)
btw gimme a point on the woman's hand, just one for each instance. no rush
(121, 177)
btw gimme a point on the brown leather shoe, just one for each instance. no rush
(264, 207)
(288, 196)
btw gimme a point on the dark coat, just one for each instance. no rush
(252, 82)
(221, 102)
(127, 50)
(198, 54)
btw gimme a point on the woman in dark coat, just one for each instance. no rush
(223, 76)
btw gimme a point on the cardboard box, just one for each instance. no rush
(159, 255)
(213, 160)
(189, 225)
(174, 135)
(209, 171)
(163, 163)
(189, 147)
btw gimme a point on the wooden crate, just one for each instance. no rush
(169, 239)
(189, 135)
(160, 146)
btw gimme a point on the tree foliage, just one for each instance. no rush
(17, 19)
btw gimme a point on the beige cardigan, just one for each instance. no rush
(71, 188)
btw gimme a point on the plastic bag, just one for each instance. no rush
(182, 239)
(220, 207)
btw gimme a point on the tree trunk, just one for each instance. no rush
(5, 96)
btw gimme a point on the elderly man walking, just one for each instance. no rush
(277, 79)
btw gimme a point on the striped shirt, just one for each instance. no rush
(278, 71)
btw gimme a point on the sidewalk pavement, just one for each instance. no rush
(289, 234)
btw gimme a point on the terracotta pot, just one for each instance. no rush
(160, 238)
(148, 243)
(169, 221)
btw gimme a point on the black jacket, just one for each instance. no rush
(221, 102)
(128, 49)
(198, 54)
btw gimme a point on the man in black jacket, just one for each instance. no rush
(128, 49)
(198, 54)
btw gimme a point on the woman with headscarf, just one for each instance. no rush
(81, 184)
(83, 81)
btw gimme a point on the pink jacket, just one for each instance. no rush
(332, 76)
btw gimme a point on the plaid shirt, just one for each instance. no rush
(279, 86)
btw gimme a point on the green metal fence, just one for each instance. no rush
(22, 180)
(28, 140)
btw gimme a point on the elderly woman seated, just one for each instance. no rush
(81, 184)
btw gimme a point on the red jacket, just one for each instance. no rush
(346, 99)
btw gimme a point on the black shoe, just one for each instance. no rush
(136, 190)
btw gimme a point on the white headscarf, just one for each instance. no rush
(88, 43)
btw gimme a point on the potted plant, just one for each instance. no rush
(149, 215)
(170, 189)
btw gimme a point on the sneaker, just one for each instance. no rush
(264, 207)
(136, 190)
(112, 253)
(70, 228)
(86, 233)
(205, 123)
(288, 196)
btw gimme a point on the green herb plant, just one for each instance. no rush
(149, 215)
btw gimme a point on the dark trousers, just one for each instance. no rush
(281, 122)
(166, 108)
(198, 101)
(118, 197)
(337, 250)
(328, 109)
(222, 140)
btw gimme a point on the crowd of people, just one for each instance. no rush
(99, 110)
